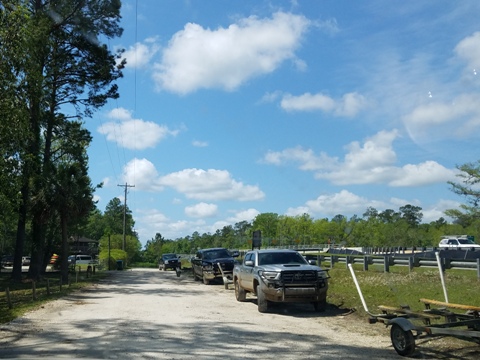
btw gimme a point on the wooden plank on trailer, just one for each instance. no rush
(450, 305)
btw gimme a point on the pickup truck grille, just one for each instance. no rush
(226, 266)
(299, 277)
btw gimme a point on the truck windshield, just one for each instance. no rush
(216, 254)
(281, 258)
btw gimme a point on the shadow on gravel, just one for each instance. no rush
(209, 339)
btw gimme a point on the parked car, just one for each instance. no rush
(7, 260)
(80, 260)
(26, 260)
(458, 242)
(206, 261)
(169, 261)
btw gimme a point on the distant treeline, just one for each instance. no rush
(374, 229)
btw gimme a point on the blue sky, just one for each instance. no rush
(229, 109)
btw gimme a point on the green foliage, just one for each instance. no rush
(468, 213)
(115, 255)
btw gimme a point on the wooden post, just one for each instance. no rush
(9, 300)
(365, 263)
(34, 290)
(48, 287)
(410, 263)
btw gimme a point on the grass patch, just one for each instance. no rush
(400, 287)
(21, 294)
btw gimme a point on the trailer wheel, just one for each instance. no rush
(402, 340)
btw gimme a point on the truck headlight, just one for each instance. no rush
(269, 275)
(322, 274)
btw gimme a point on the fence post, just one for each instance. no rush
(319, 260)
(410, 263)
(365, 263)
(386, 264)
(332, 261)
(48, 286)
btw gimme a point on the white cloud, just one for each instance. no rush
(305, 157)
(469, 50)
(243, 215)
(193, 183)
(142, 174)
(459, 118)
(198, 143)
(211, 185)
(152, 221)
(373, 162)
(201, 210)
(140, 54)
(348, 106)
(226, 58)
(436, 211)
(330, 205)
(133, 133)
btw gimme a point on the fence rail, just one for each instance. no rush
(410, 261)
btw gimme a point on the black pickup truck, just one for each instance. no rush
(206, 261)
(169, 261)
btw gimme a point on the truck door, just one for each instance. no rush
(247, 272)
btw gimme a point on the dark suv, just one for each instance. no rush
(169, 261)
(206, 261)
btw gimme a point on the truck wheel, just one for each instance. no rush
(240, 293)
(320, 306)
(402, 340)
(205, 280)
(262, 303)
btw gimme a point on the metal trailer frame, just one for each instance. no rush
(227, 276)
(404, 331)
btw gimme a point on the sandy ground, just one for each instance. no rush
(151, 314)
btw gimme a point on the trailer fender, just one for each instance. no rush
(405, 324)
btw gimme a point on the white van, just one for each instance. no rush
(80, 259)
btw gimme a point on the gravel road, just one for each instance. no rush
(151, 314)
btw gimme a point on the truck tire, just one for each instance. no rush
(262, 303)
(240, 293)
(205, 280)
(195, 278)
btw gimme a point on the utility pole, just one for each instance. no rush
(124, 247)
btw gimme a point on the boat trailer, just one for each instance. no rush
(437, 319)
